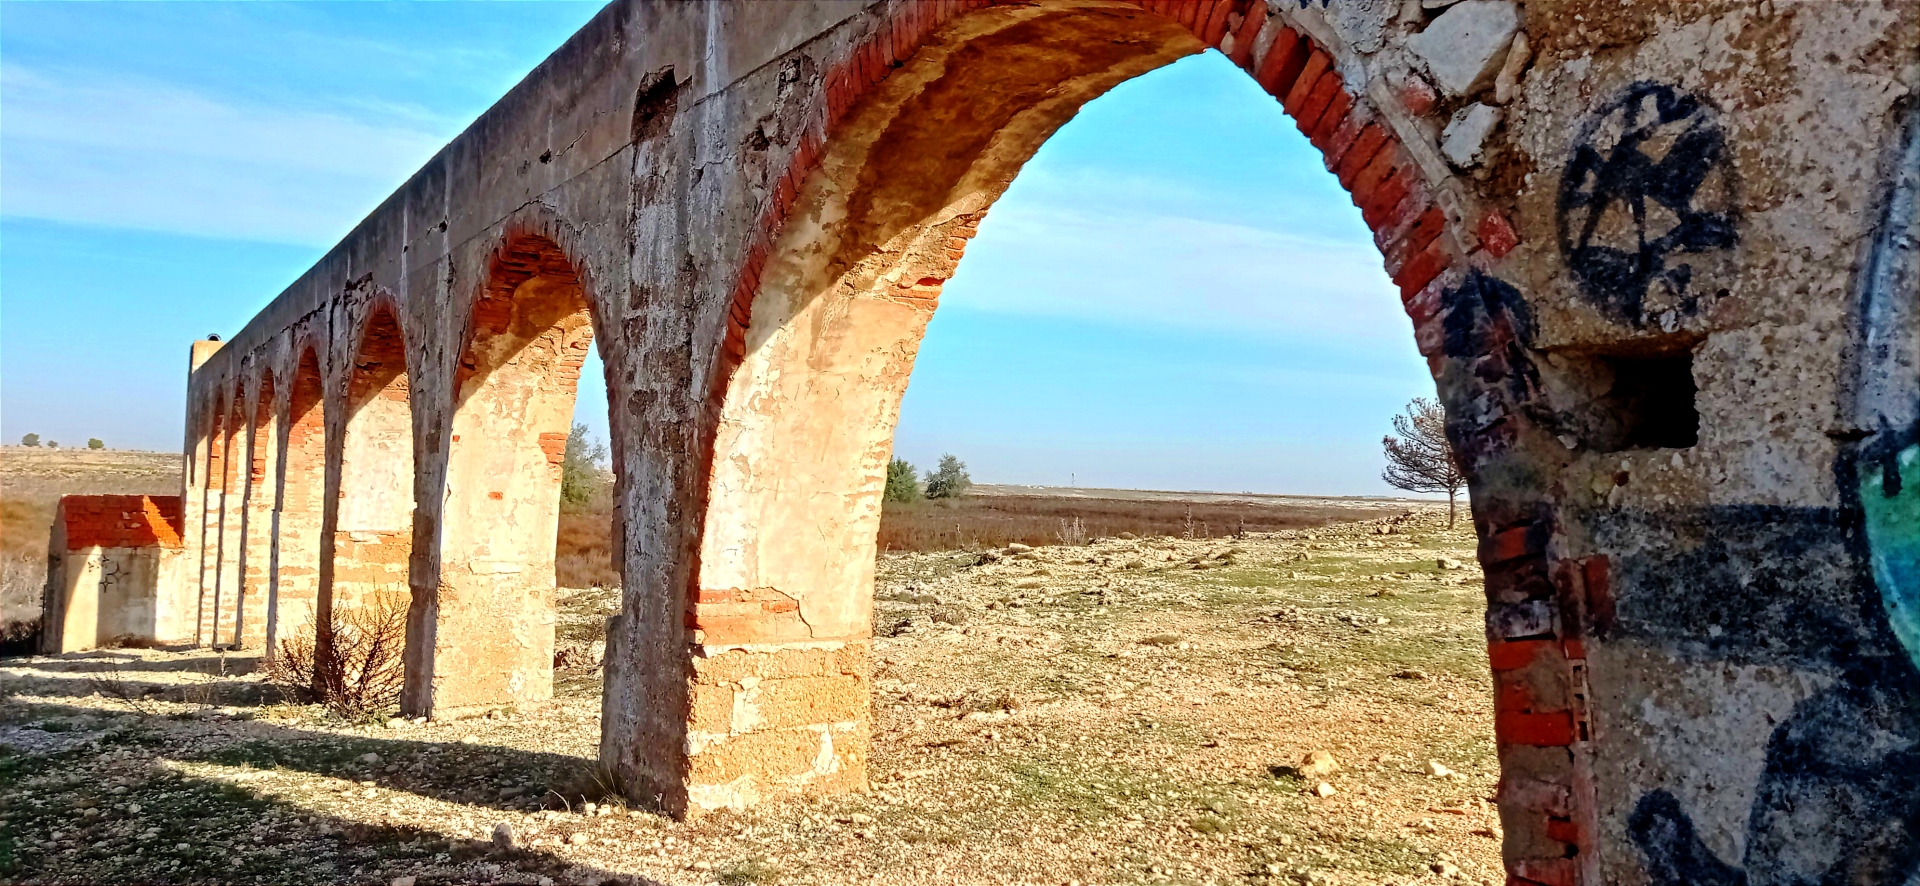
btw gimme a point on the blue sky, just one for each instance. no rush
(1173, 294)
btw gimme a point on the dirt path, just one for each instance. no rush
(1120, 712)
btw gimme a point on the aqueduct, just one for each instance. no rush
(1661, 259)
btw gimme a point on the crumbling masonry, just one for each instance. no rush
(1660, 258)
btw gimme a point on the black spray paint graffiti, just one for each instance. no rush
(1648, 180)
(1838, 796)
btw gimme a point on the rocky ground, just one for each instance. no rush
(1127, 711)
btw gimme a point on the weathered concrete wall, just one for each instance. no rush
(111, 556)
(1660, 259)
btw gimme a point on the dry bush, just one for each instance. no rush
(583, 550)
(363, 677)
(986, 521)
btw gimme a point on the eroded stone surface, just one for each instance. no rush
(759, 204)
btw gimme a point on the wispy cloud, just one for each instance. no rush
(94, 149)
(1172, 270)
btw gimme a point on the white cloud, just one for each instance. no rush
(1159, 269)
(90, 149)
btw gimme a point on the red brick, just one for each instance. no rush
(1421, 270)
(1382, 205)
(1383, 164)
(1213, 26)
(1373, 139)
(1246, 34)
(1309, 80)
(1284, 60)
(1536, 730)
(1564, 830)
(1600, 607)
(1512, 655)
(1321, 133)
(1343, 138)
(1417, 96)
(1317, 103)
(1496, 235)
(1187, 13)
(1512, 544)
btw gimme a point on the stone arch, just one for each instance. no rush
(491, 618)
(226, 486)
(299, 499)
(371, 530)
(917, 131)
(258, 505)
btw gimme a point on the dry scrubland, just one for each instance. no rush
(31, 483)
(1124, 711)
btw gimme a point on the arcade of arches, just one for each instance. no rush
(1661, 261)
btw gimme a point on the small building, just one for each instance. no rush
(109, 559)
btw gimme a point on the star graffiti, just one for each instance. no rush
(1648, 181)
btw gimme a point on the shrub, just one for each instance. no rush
(903, 482)
(30, 440)
(363, 676)
(950, 480)
(581, 474)
(96, 443)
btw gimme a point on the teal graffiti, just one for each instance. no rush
(1893, 536)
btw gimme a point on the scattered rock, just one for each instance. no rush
(1465, 46)
(503, 835)
(1410, 674)
(1445, 869)
(1436, 769)
(1508, 80)
(1324, 790)
(1318, 764)
(370, 758)
(401, 881)
(578, 838)
(1446, 563)
(1018, 548)
(469, 739)
(1464, 140)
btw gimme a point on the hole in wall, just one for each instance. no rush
(1653, 399)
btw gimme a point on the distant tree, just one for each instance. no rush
(30, 440)
(53, 444)
(949, 480)
(95, 443)
(1419, 458)
(581, 474)
(903, 481)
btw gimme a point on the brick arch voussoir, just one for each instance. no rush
(535, 242)
(1418, 242)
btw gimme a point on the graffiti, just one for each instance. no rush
(1782, 588)
(1648, 181)
(1489, 329)
(1886, 410)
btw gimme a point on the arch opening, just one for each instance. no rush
(833, 321)
(258, 505)
(301, 442)
(530, 333)
(373, 529)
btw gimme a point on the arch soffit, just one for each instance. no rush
(1428, 246)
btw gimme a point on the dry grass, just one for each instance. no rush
(31, 483)
(1124, 712)
(583, 551)
(988, 521)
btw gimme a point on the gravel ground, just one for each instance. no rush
(1127, 711)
